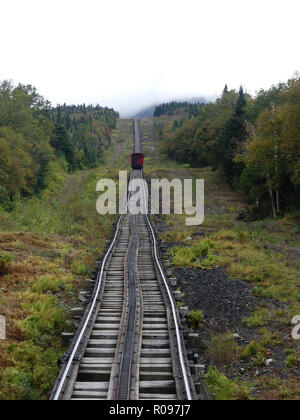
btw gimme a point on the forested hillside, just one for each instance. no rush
(254, 141)
(81, 133)
(192, 109)
(37, 140)
(48, 247)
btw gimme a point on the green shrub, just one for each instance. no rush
(222, 349)
(5, 261)
(33, 361)
(292, 360)
(198, 256)
(255, 352)
(195, 319)
(79, 268)
(224, 389)
(48, 283)
(251, 350)
(256, 319)
(34, 370)
(47, 318)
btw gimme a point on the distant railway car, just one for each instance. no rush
(137, 161)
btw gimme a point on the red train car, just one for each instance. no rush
(137, 161)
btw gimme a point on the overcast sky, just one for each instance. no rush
(131, 53)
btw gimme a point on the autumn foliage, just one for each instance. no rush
(254, 141)
(37, 139)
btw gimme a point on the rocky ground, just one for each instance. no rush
(224, 302)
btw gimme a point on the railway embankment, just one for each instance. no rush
(239, 280)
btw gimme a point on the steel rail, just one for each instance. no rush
(171, 299)
(62, 381)
(85, 325)
(126, 362)
(137, 141)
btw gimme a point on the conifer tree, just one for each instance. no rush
(232, 137)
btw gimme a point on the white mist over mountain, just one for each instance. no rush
(131, 54)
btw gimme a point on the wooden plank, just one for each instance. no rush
(156, 376)
(90, 386)
(105, 367)
(156, 361)
(157, 384)
(161, 352)
(97, 360)
(89, 394)
(144, 396)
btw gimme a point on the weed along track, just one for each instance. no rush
(129, 344)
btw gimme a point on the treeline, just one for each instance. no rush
(82, 133)
(37, 139)
(172, 107)
(254, 141)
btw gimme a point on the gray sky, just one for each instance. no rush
(131, 53)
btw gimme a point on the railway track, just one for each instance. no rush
(129, 343)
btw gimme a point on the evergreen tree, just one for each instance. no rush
(61, 143)
(231, 139)
(225, 90)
